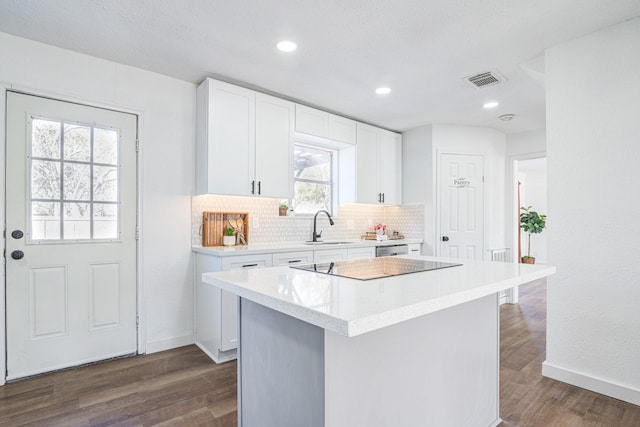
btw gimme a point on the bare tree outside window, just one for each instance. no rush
(313, 185)
(74, 181)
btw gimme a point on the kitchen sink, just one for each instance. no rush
(328, 243)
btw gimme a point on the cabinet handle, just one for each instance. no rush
(294, 260)
(259, 186)
(249, 265)
(253, 187)
(382, 197)
(379, 197)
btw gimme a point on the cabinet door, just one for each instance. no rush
(229, 138)
(342, 129)
(311, 121)
(367, 189)
(229, 301)
(389, 166)
(274, 146)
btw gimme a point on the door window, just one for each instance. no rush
(73, 173)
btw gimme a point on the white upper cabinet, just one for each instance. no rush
(244, 142)
(225, 134)
(275, 119)
(390, 166)
(311, 121)
(378, 166)
(321, 124)
(342, 129)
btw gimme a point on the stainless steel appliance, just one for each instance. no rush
(375, 268)
(392, 250)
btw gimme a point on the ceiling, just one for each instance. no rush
(421, 49)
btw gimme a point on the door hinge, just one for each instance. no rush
(137, 321)
(482, 178)
(137, 145)
(137, 232)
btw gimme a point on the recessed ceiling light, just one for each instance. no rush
(506, 117)
(492, 104)
(287, 46)
(383, 90)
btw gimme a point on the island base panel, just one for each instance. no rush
(435, 370)
(280, 369)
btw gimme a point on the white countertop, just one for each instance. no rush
(263, 248)
(352, 307)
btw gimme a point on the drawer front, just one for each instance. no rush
(247, 261)
(293, 258)
(414, 249)
(361, 253)
(329, 255)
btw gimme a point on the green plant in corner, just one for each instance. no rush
(229, 231)
(532, 223)
(283, 208)
(284, 204)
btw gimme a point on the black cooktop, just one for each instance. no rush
(375, 268)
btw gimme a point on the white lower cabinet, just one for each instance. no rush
(414, 249)
(329, 255)
(293, 258)
(217, 310)
(361, 253)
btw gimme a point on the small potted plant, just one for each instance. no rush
(532, 223)
(229, 239)
(284, 207)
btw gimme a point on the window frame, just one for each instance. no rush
(333, 182)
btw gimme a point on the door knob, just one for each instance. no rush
(17, 234)
(17, 254)
(445, 238)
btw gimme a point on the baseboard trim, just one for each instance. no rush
(496, 423)
(168, 344)
(598, 385)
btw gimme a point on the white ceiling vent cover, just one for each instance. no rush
(489, 78)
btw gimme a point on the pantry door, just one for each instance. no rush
(461, 206)
(70, 234)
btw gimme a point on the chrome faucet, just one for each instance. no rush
(315, 236)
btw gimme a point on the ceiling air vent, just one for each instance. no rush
(489, 78)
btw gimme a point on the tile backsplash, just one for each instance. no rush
(266, 226)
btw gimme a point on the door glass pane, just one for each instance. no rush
(77, 142)
(45, 139)
(77, 220)
(45, 220)
(105, 221)
(105, 184)
(105, 146)
(65, 186)
(77, 183)
(45, 179)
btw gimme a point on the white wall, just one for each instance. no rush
(420, 149)
(167, 134)
(593, 123)
(529, 142)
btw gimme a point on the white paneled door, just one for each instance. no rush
(461, 206)
(71, 234)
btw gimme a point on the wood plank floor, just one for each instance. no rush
(181, 387)
(527, 398)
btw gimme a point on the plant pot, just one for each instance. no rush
(282, 210)
(528, 260)
(229, 240)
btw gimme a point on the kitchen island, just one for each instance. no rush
(417, 349)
